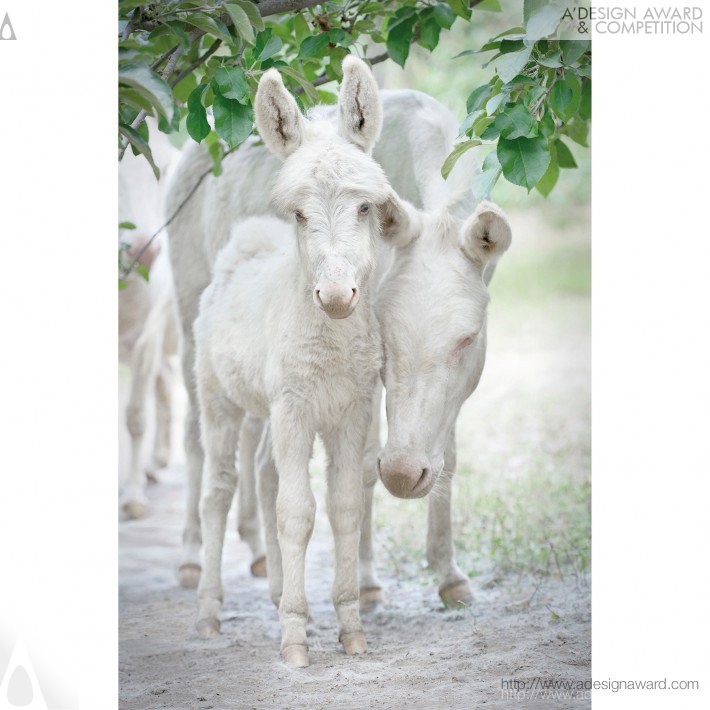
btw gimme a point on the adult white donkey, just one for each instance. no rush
(417, 134)
(286, 331)
(432, 307)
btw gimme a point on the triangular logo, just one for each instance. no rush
(6, 29)
(20, 687)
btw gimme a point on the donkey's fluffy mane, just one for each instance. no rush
(327, 163)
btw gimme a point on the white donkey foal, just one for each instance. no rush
(286, 331)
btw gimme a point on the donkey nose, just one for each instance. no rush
(406, 478)
(336, 300)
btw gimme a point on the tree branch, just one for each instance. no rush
(273, 7)
(198, 62)
(169, 69)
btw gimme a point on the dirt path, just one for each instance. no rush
(421, 656)
(528, 421)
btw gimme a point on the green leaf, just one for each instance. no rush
(140, 145)
(313, 45)
(444, 15)
(455, 154)
(297, 76)
(489, 5)
(573, 49)
(241, 22)
(232, 83)
(565, 96)
(197, 124)
(126, 225)
(273, 46)
(524, 160)
(511, 45)
(460, 7)
(508, 66)
(578, 131)
(121, 284)
(183, 89)
(300, 27)
(327, 97)
(549, 179)
(252, 11)
(477, 98)
(215, 28)
(585, 103)
(142, 269)
(232, 120)
(552, 60)
(565, 159)
(179, 32)
(212, 27)
(516, 122)
(483, 183)
(398, 40)
(149, 85)
(541, 18)
(481, 124)
(215, 146)
(494, 102)
(429, 34)
(547, 125)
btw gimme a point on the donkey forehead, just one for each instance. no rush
(326, 168)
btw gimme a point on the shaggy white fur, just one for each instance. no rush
(417, 134)
(286, 331)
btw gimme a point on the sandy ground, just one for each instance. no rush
(531, 410)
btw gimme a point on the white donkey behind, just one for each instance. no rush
(286, 331)
(148, 327)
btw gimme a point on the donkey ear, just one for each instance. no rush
(359, 107)
(486, 234)
(278, 118)
(399, 221)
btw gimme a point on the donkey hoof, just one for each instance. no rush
(456, 594)
(151, 476)
(207, 628)
(296, 656)
(258, 567)
(354, 643)
(370, 598)
(189, 575)
(134, 509)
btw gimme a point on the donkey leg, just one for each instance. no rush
(144, 366)
(220, 427)
(190, 566)
(295, 516)
(370, 586)
(268, 480)
(345, 509)
(248, 524)
(454, 587)
(163, 418)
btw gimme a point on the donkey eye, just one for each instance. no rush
(364, 209)
(300, 217)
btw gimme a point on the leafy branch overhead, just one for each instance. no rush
(539, 97)
(195, 64)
